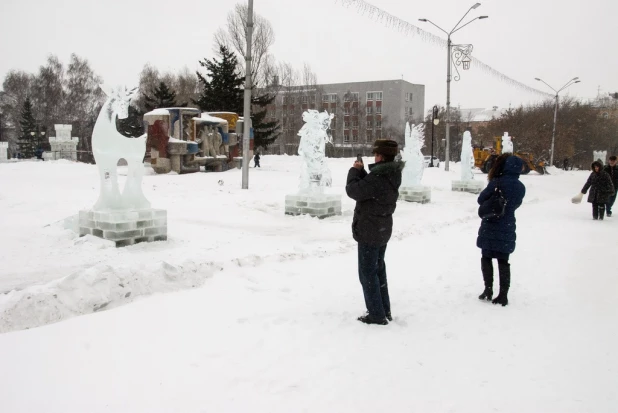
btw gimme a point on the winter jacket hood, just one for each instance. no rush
(513, 166)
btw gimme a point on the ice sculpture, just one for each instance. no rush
(411, 189)
(4, 147)
(121, 217)
(467, 182)
(599, 156)
(467, 157)
(109, 146)
(314, 174)
(412, 155)
(507, 143)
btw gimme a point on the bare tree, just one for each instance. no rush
(48, 96)
(233, 37)
(84, 99)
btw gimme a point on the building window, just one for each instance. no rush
(369, 110)
(304, 99)
(351, 96)
(346, 137)
(369, 135)
(374, 96)
(346, 124)
(355, 138)
(354, 96)
(325, 98)
(312, 98)
(346, 110)
(408, 97)
(333, 97)
(369, 124)
(355, 124)
(379, 110)
(378, 124)
(379, 134)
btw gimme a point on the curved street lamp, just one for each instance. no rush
(553, 133)
(462, 57)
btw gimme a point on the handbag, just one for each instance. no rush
(494, 206)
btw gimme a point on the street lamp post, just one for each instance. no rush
(553, 133)
(462, 57)
(247, 100)
(434, 122)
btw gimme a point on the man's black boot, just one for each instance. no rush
(504, 269)
(488, 278)
(370, 320)
(601, 212)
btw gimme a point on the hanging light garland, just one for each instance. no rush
(409, 29)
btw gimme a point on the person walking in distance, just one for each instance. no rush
(612, 171)
(601, 189)
(376, 195)
(256, 159)
(496, 237)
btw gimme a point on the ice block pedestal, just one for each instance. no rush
(420, 194)
(316, 205)
(125, 227)
(472, 186)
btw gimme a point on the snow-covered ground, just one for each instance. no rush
(263, 313)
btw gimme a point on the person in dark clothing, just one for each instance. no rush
(496, 237)
(601, 189)
(256, 159)
(376, 195)
(613, 173)
(565, 164)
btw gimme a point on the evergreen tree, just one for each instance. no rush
(27, 144)
(222, 85)
(163, 97)
(224, 92)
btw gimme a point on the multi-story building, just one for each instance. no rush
(364, 111)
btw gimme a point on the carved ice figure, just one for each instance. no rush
(467, 157)
(412, 155)
(314, 173)
(109, 146)
(599, 156)
(507, 143)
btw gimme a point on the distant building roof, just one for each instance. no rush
(481, 114)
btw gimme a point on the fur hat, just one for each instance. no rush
(385, 147)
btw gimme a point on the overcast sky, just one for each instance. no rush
(524, 39)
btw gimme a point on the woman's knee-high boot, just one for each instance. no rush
(488, 278)
(504, 269)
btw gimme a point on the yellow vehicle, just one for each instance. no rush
(484, 158)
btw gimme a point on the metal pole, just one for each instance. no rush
(553, 133)
(447, 151)
(247, 103)
(433, 117)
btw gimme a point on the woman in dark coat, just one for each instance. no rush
(497, 236)
(601, 189)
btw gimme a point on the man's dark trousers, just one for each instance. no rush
(372, 274)
(610, 203)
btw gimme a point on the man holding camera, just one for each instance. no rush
(376, 195)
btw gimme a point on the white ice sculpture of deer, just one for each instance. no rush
(109, 146)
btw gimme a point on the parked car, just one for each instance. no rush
(427, 160)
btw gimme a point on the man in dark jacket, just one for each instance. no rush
(613, 173)
(376, 195)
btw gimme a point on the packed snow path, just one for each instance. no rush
(272, 326)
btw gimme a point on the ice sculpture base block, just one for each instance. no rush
(472, 186)
(420, 194)
(125, 227)
(315, 205)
